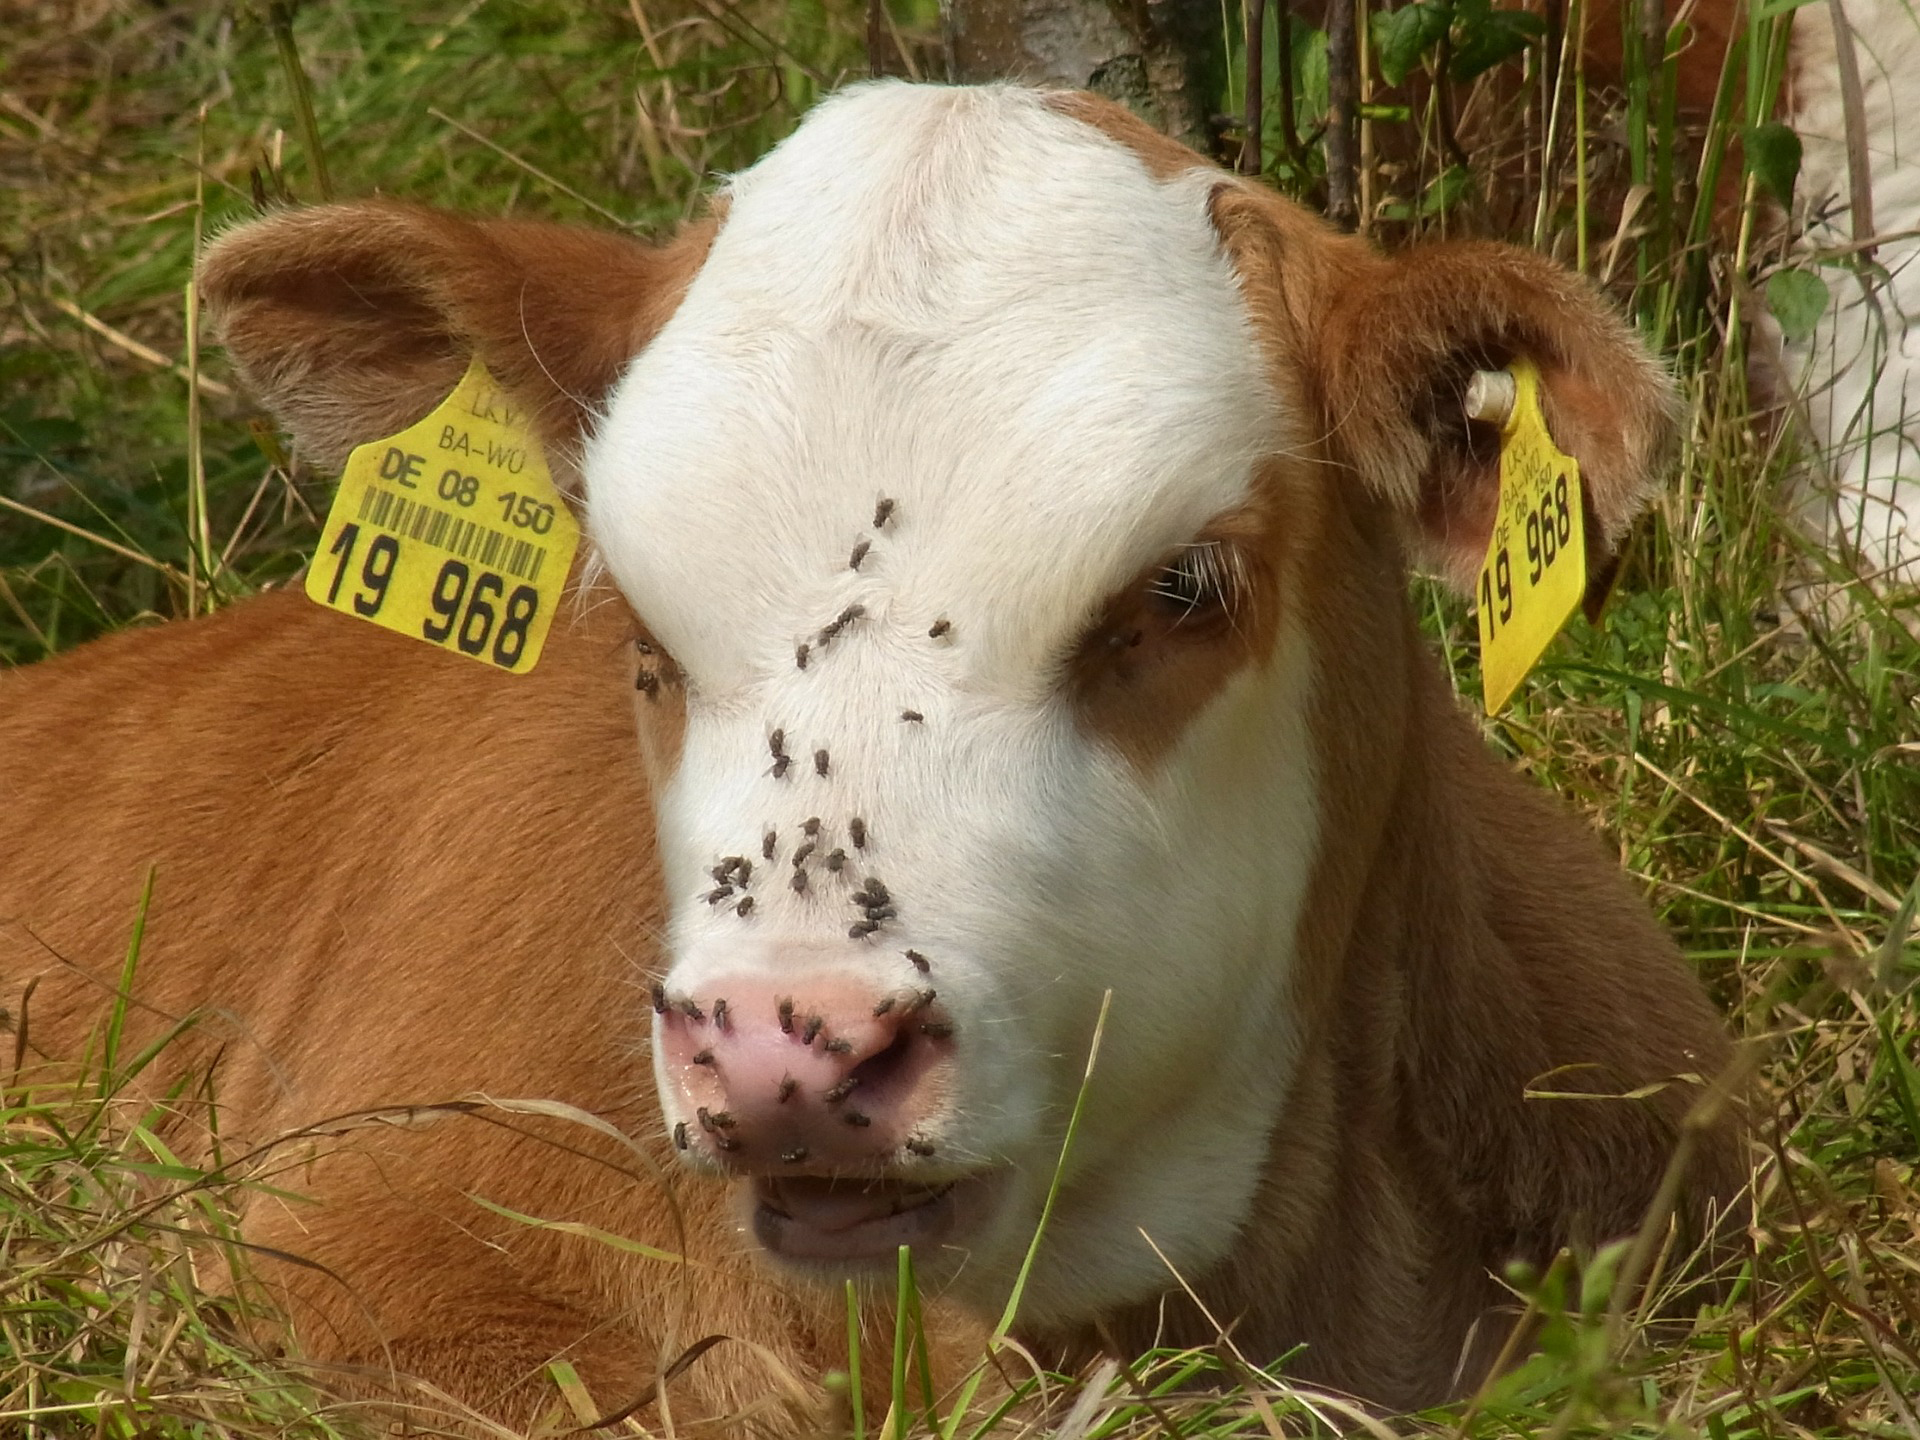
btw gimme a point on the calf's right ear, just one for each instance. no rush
(1386, 347)
(1397, 353)
(352, 321)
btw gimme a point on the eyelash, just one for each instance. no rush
(1207, 576)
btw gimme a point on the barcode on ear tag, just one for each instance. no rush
(1536, 566)
(452, 532)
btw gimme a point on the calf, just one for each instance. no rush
(1001, 520)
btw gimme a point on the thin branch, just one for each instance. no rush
(1289, 127)
(1256, 11)
(876, 37)
(1343, 187)
(124, 552)
(280, 21)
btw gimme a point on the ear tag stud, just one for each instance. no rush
(452, 532)
(1536, 566)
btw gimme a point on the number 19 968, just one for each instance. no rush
(467, 605)
(1549, 528)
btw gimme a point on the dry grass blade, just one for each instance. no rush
(527, 165)
(111, 546)
(1854, 107)
(206, 383)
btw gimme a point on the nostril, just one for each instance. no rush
(877, 1070)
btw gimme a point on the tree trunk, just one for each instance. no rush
(1162, 59)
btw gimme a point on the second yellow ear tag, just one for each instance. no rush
(1536, 566)
(451, 532)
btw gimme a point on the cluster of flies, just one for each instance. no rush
(805, 650)
(720, 1125)
(733, 873)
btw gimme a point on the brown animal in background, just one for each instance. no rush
(1136, 450)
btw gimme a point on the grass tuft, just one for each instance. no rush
(123, 1310)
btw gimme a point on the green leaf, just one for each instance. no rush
(1484, 38)
(1448, 189)
(1772, 154)
(1403, 36)
(1310, 56)
(1797, 298)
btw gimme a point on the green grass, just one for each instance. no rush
(124, 1310)
(1743, 725)
(114, 1320)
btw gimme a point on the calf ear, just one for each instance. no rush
(352, 321)
(1398, 349)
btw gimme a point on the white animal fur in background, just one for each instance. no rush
(1859, 372)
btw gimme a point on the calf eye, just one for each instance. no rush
(1204, 580)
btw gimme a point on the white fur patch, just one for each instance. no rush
(992, 315)
(1860, 370)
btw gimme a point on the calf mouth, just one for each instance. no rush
(851, 1222)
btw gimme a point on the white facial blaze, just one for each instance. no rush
(989, 313)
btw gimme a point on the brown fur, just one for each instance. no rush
(1388, 346)
(386, 876)
(382, 877)
(353, 321)
(1442, 965)
(1146, 668)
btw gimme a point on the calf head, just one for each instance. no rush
(1014, 507)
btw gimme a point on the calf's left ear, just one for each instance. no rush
(1397, 347)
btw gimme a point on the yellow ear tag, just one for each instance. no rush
(1536, 566)
(451, 532)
